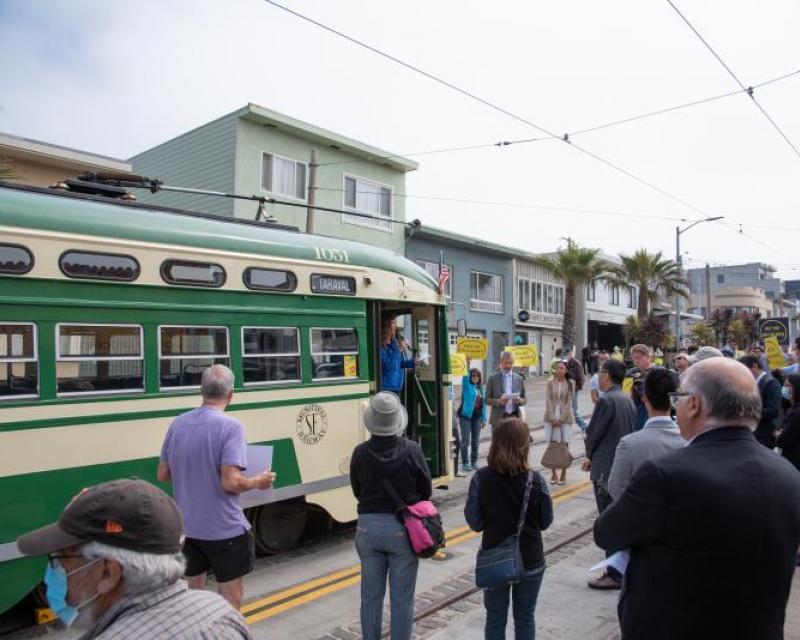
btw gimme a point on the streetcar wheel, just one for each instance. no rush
(278, 527)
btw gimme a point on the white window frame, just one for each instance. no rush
(185, 357)
(591, 291)
(60, 358)
(449, 286)
(614, 296)
(633, 297)
(35, 358)
(472, 300)
(372, 223)
(291, 196)
(356, 353)
(272, 355)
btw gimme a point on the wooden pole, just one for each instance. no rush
(312, 190)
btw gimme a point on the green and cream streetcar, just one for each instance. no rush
(110, 311)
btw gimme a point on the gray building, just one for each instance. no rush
(752, 274)
(480, 289)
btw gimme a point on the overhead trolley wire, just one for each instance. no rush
(571, 134)
(748, 90)
(491, 105)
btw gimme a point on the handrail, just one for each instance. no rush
(430, 411)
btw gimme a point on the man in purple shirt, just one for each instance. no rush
(204, 454)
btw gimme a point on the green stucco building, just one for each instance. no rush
(256, 151)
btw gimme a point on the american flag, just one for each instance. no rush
(444, 273)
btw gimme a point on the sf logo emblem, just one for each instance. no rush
(312, 424)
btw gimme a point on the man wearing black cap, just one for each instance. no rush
(114, 567)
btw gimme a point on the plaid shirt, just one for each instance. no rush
(172, 611)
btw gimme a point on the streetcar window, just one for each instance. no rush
(185, 352)
(98, 266)
(15, 259)
(94, 358)
(270, 354)
(202, 274)
(334, 353)
(19, 374)
(269, 279)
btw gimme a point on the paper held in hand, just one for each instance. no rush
(259, 459)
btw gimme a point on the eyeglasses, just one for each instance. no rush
(675, 396)
(55, 559)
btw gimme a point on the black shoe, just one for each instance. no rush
(605, 582)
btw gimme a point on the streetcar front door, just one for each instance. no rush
(424, 388)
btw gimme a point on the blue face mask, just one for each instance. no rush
(787, 392)
(55, 580)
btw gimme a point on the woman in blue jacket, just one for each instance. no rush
(392, 359)
(472, 415)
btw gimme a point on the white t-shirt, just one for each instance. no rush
(594, 385)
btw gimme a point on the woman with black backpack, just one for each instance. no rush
(387, 463)
(496, 507)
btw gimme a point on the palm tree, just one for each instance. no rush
(653, 275)
(6, 172)
(576, 266)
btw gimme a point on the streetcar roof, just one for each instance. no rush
(56, 210)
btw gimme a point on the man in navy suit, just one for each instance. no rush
(770, 390)
(713, 528)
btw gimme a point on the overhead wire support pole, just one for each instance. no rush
(748, 90)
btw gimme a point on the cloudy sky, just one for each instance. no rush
(118, 77)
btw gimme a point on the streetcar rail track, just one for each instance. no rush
(463, 594)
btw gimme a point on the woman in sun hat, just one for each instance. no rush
(381, 541)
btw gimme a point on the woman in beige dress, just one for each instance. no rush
(558, 416)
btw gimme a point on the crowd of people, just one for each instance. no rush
(695, 469)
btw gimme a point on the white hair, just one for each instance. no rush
(141, 571)
(217, 382)
(506, 354)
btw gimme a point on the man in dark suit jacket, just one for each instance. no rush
(770, 390)
(614, 417)
(505, 391)
(714, 527)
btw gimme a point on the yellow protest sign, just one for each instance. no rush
(473, 348)
(525, 355)
(775, 358)
(458, 364)
(350, 367)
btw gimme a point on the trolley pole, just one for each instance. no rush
(312, 190)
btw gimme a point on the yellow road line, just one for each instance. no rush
(333, 582)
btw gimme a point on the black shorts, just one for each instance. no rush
(229, 559)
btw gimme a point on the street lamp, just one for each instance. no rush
(679, 261)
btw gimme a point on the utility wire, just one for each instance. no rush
(491, 105)
(749, 90)
(571, 134)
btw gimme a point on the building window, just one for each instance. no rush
(537, 297)
(433, 269)
(334, 353)
(185, 352)
(283, 176)
(524, 293)
(270, 354)
(363, 196)
(486, 292)
(19, 375)
(720, 278)
(591, 291)
(99, 358)
(633, 298)
(614, 296)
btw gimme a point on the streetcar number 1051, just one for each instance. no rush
(332, 255)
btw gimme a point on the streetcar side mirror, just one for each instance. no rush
(461, 328)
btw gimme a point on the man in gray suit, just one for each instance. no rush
(614, 417)
(659, 435)
(505, 391)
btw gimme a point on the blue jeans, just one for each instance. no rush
(578, 417)
(470, 434)
(384, 550)
(524, 595)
